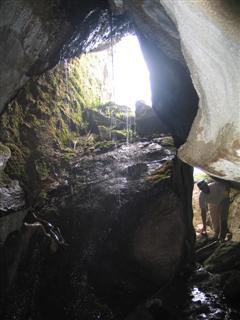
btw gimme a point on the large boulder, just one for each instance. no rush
(147, 121)
(126, 209)
(210, 41)
(127, 223)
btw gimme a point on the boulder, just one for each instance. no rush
(127, 211)
(231, 284)
(147, 121)
(210, 41)
(225, 258)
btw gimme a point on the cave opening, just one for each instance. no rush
(93, 227)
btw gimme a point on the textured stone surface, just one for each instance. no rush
(234, 214)
(11, 223)
(5, 154)
(156, 236)
(210, 41)
(11, 197)
(29, 34)
(33, 34)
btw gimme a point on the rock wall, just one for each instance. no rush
(33, 36)
(44, 123)
(30, 42)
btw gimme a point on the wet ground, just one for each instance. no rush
(197, 298)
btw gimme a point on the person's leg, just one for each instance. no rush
(214, 213)
(223, 210)
(204, 218)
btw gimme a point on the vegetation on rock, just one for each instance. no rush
(47, 121)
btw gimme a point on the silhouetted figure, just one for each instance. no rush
(215, 198)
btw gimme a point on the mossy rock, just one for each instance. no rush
(163, 173)
(104, 133)
(225, 258)
(167, 141)
(42, 168)
(105, 146)
(119, 135)
(16, 166)
(112, 109)
(4, 179)
(5, 154)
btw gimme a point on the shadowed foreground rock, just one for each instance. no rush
(119, 218)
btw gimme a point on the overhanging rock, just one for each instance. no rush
(210, 39)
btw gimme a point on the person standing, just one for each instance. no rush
(215, 198)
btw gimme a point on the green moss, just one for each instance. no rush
(16, 166)
(202, 176)
(5, 151)
(4, 179)
(119, 134)
(163, 173)
(111, 109)
(42, 124)
(68, 154)
(167, 141)
(64, 136)
(105, 146)
(42, 168)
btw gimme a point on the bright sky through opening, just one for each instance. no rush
(131, 76)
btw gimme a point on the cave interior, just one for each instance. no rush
(99, 213)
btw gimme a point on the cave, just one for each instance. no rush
(98, 206)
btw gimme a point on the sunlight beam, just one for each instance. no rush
(131, 76)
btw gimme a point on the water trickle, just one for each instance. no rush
(127, 127)
(74, 144)
(66, 71)
(198, 295)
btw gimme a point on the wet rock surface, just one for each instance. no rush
(199, 297)
(110, 218)
(222, 260)
(12, 199)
